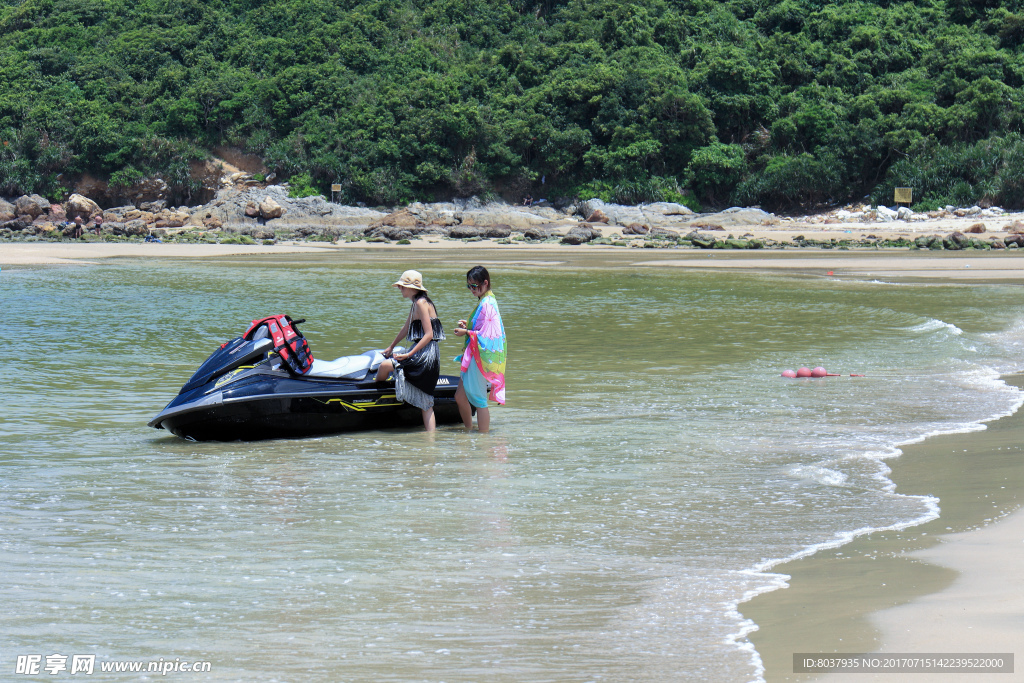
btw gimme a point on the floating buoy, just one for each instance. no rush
(803, 372)
(789, 373)
(819, 372)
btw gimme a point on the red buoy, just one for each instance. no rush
(803, 372)
(789, 373)
(818, 372)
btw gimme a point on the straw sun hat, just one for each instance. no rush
(411, 279)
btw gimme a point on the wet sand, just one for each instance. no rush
(889, 265)
(953, 585)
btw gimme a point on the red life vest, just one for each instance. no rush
(288, 342)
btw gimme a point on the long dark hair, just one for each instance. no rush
(420, 294)
(479, 274)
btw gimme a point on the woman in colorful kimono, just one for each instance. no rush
(416, 371)
(483, 356)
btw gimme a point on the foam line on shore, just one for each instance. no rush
(775, 581)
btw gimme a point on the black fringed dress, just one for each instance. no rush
(416, 376)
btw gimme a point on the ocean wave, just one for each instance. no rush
(932, 325)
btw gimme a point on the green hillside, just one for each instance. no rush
(787, 104)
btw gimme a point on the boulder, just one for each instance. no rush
(77, 205)
(154, 206)
(903, 213)
(537, 233)
(701, 240)
(976, 229)
(271, 209)
(957, 240)
(18, 224)
(213, 223)
(396, 219)
(139, 215)
(666, 209)
(31, 205)
(598, 216)
(263, 233)
(57, 213)
(7, 211)
(465, 231)
(135, 227)
(886, 214)
(169, 223)
(1015, 239)
(252, 209)
(581, 234)
(636, 229)
(498, 231)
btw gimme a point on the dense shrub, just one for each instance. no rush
(785, 104)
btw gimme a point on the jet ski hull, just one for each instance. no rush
(292, 417)
(264, 401)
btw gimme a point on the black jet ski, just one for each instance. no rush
(244, 391)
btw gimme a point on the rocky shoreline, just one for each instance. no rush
(247, 214)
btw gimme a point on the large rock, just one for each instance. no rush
(738, 217)
(18, 224)
(496, 213)
(7, 211)
(537, 233)
(31, 205)
(77, 205)
(271, 209)
(135, 227)
(666, 209)
(397, 219)
(702, 240)
(581, 234)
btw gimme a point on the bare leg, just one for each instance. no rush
(465, 411)
(428, 420)
(483, 419)
(384, 370)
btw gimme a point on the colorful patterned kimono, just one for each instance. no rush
(485, 345)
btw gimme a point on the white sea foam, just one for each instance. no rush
(821, 475)
(932, 325)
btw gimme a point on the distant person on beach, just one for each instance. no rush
(98, 226)
(483, 355)
(416, 370)
(76, 232)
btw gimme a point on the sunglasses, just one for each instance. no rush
(473, 286)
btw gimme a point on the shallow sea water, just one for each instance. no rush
(649, 471)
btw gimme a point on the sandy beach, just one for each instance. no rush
(950, 586)
(889, 264)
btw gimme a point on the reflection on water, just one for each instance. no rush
(649, 459)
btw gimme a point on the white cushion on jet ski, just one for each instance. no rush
(347, 367)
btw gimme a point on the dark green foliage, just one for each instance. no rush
(786, 104)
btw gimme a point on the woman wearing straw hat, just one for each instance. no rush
(416, 371)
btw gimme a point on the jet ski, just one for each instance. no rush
(245, 391)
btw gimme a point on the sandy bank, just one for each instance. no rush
(40, 253)
(981, 611)
(892, 265)
(952, 585)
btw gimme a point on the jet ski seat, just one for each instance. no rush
(347, 367)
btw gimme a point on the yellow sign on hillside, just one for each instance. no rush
(335, 188)
(904, 195)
